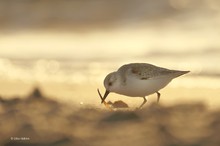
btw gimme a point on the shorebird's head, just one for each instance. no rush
(110, 84)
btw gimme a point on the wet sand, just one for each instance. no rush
(38, 120)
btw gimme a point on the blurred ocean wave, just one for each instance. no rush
(100, 13)
(81, 41)
(93, 72)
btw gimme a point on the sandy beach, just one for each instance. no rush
(37, 118)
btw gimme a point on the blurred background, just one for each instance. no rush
(66, 48)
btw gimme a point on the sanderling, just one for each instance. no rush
(139, 80)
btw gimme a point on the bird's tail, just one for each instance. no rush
(179, 73)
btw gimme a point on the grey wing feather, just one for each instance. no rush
(143, 71)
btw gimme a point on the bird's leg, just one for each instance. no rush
(145, 100)
(158, 97)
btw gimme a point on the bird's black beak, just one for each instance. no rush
(105, 95)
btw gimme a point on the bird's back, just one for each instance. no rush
(144, 71)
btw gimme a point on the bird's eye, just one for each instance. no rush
(110, 83)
